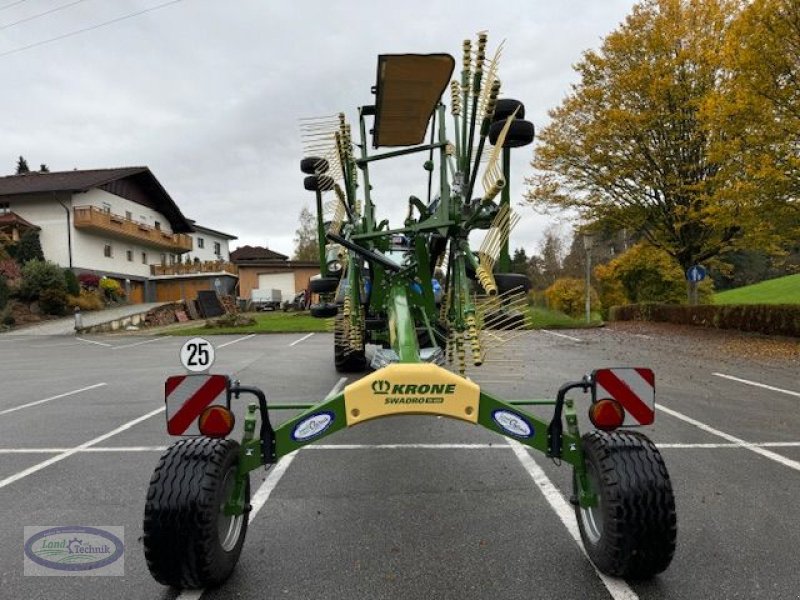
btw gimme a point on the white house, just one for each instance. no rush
(113, 222)
(209, 244)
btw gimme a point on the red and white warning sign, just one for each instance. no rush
(188, 395)
(633, 388)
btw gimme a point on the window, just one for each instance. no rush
(129, 215)
(201, 243)
(163, 260)
(158, 225)
(217, 248)
(108, 252)
(130, 255)
(144, 258)
(172, 259)
(106, 208)
(5, 208)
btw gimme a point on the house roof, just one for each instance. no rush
(77, 181)
(12, 218)
(212, 231)
(248, 254)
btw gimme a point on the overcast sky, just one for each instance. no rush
(208, 93)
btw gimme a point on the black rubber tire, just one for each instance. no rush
(505, 107)
(521, 133)
(323, 285)
(321, 183)
(182, 544)
(314, 165)
(346, 360)
(635, 537)
(510, 281)
(324, 310)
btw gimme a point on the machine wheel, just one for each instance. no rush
(631, 532)
(505, 107)
(509, 281)
(318, 183)
(188, 541)
(521, 133)
(325, 310)
(345, 359)
(313, 165)
(323, 285)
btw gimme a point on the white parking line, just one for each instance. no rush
(664, 446)
(757, 384)
(792, 464)
(237, 340)
(617, 588)
(94, 342)
(562, 335)
(64, 395)
(305, 337)
(138, 343)
(67, 453)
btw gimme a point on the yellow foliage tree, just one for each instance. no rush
(634, 146)
(569, 296)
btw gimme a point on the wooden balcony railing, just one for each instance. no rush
(92, 218)
(214, 266)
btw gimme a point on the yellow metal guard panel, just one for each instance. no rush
(409, 389)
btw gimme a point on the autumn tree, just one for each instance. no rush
(630, 146)
(305, 238)
(759, 105)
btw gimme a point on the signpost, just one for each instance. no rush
(694, 275)
(197, 355)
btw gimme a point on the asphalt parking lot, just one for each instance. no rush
(408, 507)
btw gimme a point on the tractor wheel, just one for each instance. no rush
(323, 285)
(509, 281)
(188, 540)
(345, 359)
(631, 532)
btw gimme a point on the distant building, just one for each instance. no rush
(120, 223)
(263, 268)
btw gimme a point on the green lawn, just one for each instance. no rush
(291, 322)
(782, 290)
(544, 318)
(269, 322)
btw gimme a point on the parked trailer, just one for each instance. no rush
(265, 299)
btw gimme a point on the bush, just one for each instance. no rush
(71, 283)
(11, 271)
(6, 318)
(38, 276)
(28, 248)
(89, 281)
(645, 274)
(569, 296)
(86, 300)
(53, 301)
(4, 292)
(770, 319)
(111, 288)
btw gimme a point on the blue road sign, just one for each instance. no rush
(696, 273)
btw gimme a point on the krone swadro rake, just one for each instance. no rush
(411, 294)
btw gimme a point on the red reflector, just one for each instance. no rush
(606, 414)
(216, 421)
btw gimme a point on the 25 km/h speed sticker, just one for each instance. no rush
(197, 355)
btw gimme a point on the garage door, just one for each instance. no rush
(278, 281)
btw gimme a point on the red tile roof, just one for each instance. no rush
(255, 253)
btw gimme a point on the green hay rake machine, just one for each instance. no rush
(412, 293)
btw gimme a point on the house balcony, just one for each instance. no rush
(198, 268)
(91, 218)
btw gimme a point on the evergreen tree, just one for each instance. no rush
(22, 166)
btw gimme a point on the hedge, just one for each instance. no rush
(770, 319)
